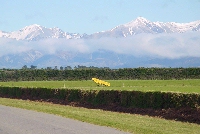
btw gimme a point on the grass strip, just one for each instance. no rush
(136, 124)
(184, 86)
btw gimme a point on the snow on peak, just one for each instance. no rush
(137, 21)
(141, 19)
(32, 27)
(37, 32)
(142, 25)
(137, 26)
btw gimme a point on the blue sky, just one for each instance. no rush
(90, 16)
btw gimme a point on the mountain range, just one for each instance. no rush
(140, 25)
(99, 55)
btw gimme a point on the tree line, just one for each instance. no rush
(101, 73)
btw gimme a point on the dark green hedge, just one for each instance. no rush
(108, 74)
(128, 99)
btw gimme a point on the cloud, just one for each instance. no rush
(167, 3)
(52, 46)
(34, 15)
(170, 46)
(159, 45)
(100, 19)
(11, 46)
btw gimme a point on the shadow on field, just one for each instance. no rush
(181, 114)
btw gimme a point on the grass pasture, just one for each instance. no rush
(185, 86)
(132, 123)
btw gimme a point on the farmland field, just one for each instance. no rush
(187, 86)
(132, 123)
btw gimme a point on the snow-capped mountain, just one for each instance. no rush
(36, 32)
(142, 25)
(139, 25)
(157, 47)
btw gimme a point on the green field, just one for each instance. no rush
(127, 122)
(187, 86)
(132, 123)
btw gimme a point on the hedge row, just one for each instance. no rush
(129, 99)
(106, 74)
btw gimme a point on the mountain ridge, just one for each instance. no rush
(142, 25)
(139, 25)
(138, 43)
(36, 32)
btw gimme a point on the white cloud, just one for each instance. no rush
(11, 46)
(156, 45)
(100, 19)
(161, 45)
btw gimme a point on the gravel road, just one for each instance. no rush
(20, 121)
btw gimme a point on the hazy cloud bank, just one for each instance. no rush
(156, 45)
